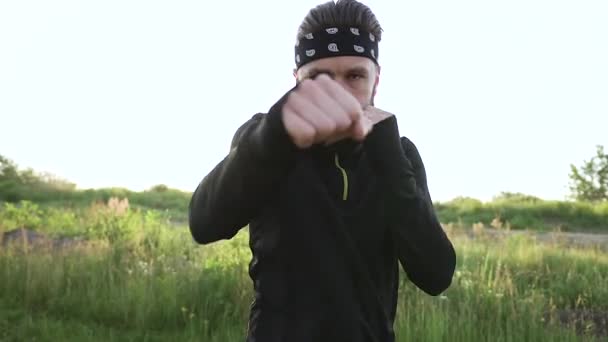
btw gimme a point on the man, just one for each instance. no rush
(334, 197)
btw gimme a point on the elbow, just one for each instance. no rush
(206, 228)
(436, 277)
(444, 275)
(198, 228)
(199, 222)
(203, 231)
(438, 285)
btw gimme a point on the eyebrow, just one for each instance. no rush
(358, 69)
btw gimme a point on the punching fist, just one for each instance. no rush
(321, 111)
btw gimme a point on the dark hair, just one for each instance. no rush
(340, 13)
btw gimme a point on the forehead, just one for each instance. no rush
(338, 64)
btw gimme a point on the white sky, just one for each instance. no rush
(498, 96)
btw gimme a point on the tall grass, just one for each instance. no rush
(142, 280)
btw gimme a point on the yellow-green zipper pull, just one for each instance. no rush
(344, 177)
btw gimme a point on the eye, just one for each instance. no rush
(356, 76)
(312, 75)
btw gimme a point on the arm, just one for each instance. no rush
(262, 152)
(237, 188)
(424, 251)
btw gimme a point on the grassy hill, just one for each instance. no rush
(507, 210)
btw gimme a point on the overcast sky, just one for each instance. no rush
(498, 96)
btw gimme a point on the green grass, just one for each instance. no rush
(146, 281)
(515, 213)
(525, 212)
(518, 211)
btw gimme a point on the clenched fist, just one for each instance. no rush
(321, 111)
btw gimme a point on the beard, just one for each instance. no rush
(372, 97)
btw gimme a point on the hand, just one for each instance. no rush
(371, 116)
(322, 111)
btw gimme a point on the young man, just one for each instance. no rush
(334, 197)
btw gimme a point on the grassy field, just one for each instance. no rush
(516, 211)
(519, 211)
(141, 278)
(512, 210)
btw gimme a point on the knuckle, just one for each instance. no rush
(355, 111)
(342, 123)
(303, 138)
(323, 131)
(331, 126)
(292, 99)
(316, 93)
(287, 111)
(327, 82)
(323, 77)
(309, 135)
(307, 131)
(306, 85)
(335, 86)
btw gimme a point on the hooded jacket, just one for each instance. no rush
(328, 228)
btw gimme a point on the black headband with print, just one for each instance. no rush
(336, 41)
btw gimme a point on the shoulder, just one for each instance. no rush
(411, 152)
(408, 146)
(240, 131)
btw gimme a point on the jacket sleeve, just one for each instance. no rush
(237, 188)
(424, 251)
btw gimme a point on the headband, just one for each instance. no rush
(336, 41)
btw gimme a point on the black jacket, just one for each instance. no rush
(328, 228)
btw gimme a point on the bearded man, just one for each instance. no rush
(335, 198)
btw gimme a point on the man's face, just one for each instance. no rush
(358, 75)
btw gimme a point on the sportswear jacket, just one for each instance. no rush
(328, 228)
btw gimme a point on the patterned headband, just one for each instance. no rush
(336, 41)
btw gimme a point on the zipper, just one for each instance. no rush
(344, 177)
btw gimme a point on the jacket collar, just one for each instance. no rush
(347, 150)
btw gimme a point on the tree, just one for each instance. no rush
(16, 184)
(590, 182)
(159, 188)
(8, 169)
(516, 197)
(10, 180)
